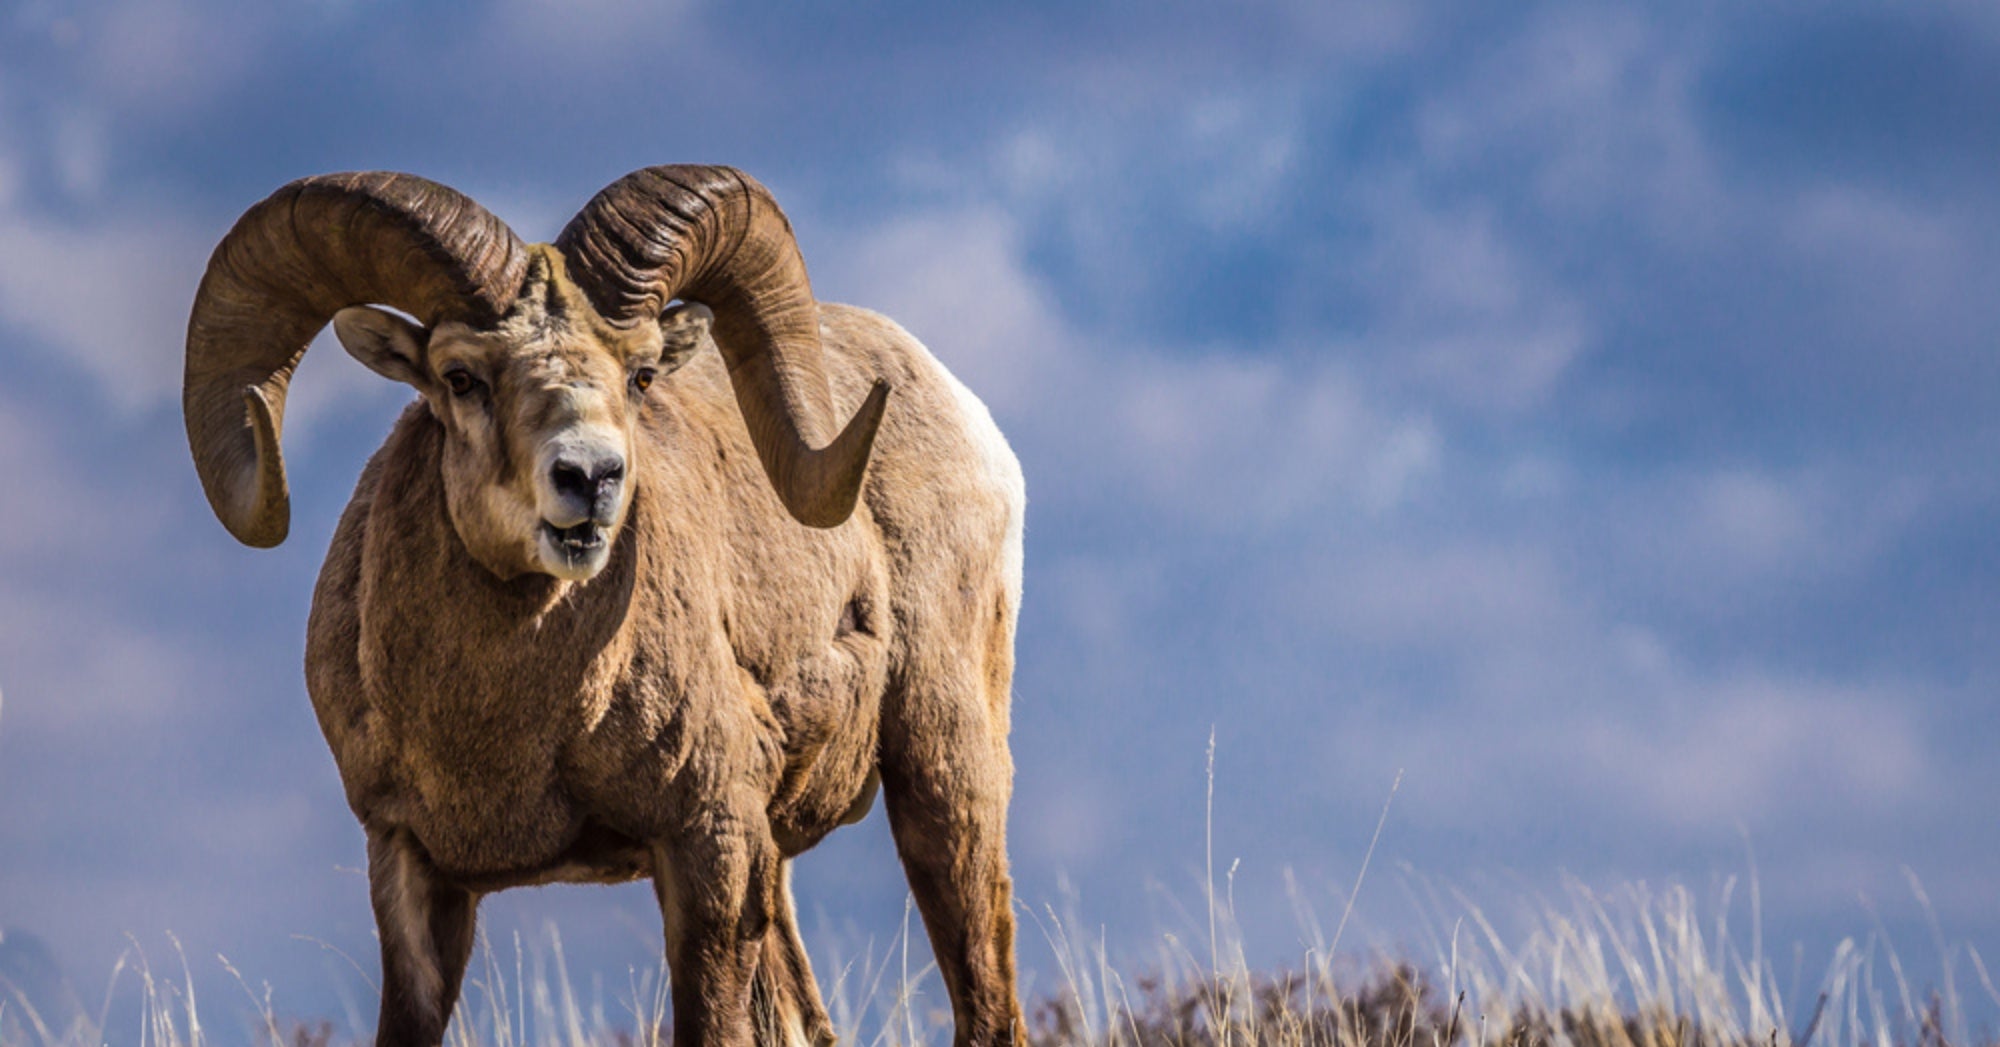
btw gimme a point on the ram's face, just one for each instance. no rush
(540, 413)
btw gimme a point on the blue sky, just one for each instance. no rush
(1587, 411)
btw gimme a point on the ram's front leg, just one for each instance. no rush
(717, 886)
(426, 927)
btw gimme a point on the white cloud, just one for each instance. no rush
(1893, 234)
(78, 670)
(1499, 607)
(1758, 748)
(10, 178)
(111, 296)
(1706, 531)
(80, 152)
(1560, 716)
(1906, 267)
(1478, 598)
(1228, 151)
(1558, 702)
(1755, 519)
(1598, 107)
(1354, 30)
(108, 292)
(1407, 458)
(83, 681)
(1072, 823)
(329, 382)
(1545, 673)
(60, 512)
(1235, 443)
(1238, 154)
(1450, 301)
(955, 280)
(1219, 438)
(594, 31)
(157, 57)
(1462, 312)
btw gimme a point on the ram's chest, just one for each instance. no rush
(489, 817)
(479, 748)
(477, 700)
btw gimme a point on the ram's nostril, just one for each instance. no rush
(570, 479)
(592, 482)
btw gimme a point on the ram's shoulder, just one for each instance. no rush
(940, 452)
(865, 337)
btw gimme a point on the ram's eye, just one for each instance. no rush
(643, 378)
(461, 381)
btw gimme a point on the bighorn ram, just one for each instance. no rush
(600, 610)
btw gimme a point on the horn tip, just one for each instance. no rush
(262, 514)
(268, 536)
(852, 450)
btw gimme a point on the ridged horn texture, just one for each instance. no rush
(714, 235)
(307, 251)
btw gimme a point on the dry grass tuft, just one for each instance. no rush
(1631, 968)
(1636, 968)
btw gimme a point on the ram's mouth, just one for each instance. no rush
(584, 539)
(575, 553)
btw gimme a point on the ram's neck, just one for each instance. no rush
(442, 634)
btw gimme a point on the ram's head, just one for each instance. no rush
(536, 359)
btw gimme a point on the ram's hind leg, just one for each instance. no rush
(426, 927)
(784, 999)
(947, 776)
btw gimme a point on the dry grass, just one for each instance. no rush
(1632, 968)
(1635, 968)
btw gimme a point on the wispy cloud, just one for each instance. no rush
(108, 297)
(1543, 402)
(1592, 111)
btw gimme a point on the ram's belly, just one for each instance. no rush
(474, 826)
(591, 853)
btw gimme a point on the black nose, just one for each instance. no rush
(593, 483)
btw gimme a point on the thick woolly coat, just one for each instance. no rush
(726, 659)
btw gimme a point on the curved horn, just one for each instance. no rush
(305, 252)
(712, 234)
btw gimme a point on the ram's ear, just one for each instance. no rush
(684, 330)
(390, 345)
